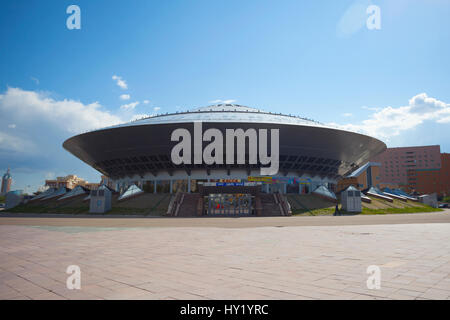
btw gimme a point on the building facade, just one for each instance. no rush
(70, 182)
(6, 183)
(363, 178)
(396, 162)
(220, 149)
(427, 181)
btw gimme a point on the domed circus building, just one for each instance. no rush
(224, 159)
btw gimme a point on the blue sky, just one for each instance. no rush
(316, 59)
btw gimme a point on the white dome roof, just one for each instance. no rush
(227, 107)
(223, 113)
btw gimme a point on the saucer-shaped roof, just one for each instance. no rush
(144, 146)
(223, 113)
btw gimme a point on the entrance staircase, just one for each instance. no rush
(191, 204)
(274, 204)
(186, 205)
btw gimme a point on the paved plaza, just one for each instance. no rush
(184, 261)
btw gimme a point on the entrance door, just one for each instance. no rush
(229, 204)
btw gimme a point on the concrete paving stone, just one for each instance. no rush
(187, 262)
(397, 296)
(21, 298)
(436, 294)
(412, 293)
(127, 292)
(48, 296)
(401, 279)
(75, 294)
(154, 287)
(9, 293)
(377, 293)
(96, 290)
(153, 296)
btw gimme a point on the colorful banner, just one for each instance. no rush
(288, 180)
(229, 184)
(303, 180)
(260, 179)
(229, 180)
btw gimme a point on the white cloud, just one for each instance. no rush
(10, 143)
(389, 121)
(156, 108)
(371, 108)
(146, 102)
(12, 126)
(129, 106)
(444, 120)
(120, 82)
(68, 115)
(125, 97)
(423, 104)
(42, 125)
(347, 114)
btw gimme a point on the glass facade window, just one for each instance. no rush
(163, 186)
(292, 188)
(179, 186)
(148, 186)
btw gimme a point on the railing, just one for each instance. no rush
(177, 210)
(172, 210)
(284, 205)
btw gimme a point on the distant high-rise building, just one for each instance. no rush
(396, 162)
(6, 183)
